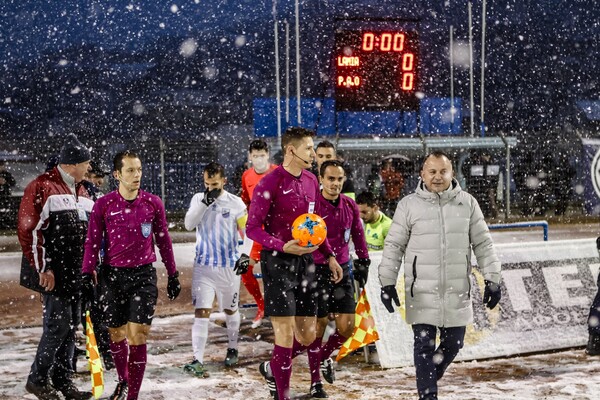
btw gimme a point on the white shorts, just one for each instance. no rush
(208, 282)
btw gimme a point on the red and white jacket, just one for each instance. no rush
(52, 226)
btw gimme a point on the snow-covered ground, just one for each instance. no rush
(562, 375)
(568, 374)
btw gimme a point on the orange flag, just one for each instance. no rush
(364, 328)
(93, 355)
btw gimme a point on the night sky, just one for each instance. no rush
(542, 56)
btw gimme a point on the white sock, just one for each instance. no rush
(199, 337)
(233, 329)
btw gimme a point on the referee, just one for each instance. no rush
(288, 268)
(130, 221)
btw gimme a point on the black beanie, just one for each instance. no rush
(73, 151)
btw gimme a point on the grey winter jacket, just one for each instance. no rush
(434, 233)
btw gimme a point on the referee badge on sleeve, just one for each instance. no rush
(146, 229)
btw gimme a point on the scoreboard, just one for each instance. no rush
(376, 69)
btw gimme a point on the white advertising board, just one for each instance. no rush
(547, 290)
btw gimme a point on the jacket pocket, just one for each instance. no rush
(469, 277)
(414, 273)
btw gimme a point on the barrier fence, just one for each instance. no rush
(547, 290)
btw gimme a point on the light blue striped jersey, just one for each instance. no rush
(216, 229)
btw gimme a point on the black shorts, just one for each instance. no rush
(128, 294)
(289, 282)
(334, 297)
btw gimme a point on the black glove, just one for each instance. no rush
(361, 270)
(389, 293)
(242, 264)
(88, 292)
(491, 294)
(173, 287)
(210, 196)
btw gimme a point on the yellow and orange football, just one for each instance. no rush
(309, 229)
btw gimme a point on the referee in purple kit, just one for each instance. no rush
(288, 268)
(343, 224)
(130, 221)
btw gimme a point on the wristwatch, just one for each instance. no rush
(328, 256)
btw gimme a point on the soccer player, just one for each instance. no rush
(326, 151)
(377, 224)
(259, 158)
(131, 221)
(343, 224)
(216, 215)
(288, 268)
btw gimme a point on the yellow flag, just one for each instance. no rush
(93, 355)
(364, 328)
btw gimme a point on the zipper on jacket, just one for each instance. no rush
(414, 271)
(443, 261)
(469, 276)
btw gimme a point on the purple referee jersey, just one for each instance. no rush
(278, 199)
(129, 229)
(343, 223)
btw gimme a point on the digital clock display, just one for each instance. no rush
(376, 70)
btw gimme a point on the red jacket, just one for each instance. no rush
(52, 227)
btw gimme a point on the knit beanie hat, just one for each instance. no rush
(73, 151)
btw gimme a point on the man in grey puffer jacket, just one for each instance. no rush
(434, 230)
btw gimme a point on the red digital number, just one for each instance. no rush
(386, 42)
(408, 62)
(399, 42)
(368, 41)
(408, 81)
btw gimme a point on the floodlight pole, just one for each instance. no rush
(287, 72)
(298, 63)
(471, 95)
(452, 108)
(277, 78)
(483, 17)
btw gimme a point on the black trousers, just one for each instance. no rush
(432, 362)
(594, 318)
(54, 357)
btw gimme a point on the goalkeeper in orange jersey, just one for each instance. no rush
(260, 166)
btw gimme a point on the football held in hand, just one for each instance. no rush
(309, 229)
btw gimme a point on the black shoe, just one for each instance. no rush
(42, 392)
(317, 391)
(593, 346)
(264, 371)
(71, 392)
(327, 370)
(79, 352)
(432, 396)
(120, 392)
(231, 358)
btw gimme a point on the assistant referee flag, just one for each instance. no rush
(364, 328)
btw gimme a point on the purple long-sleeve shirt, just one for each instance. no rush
(278, 199)
(129, 230)
(343, 223)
